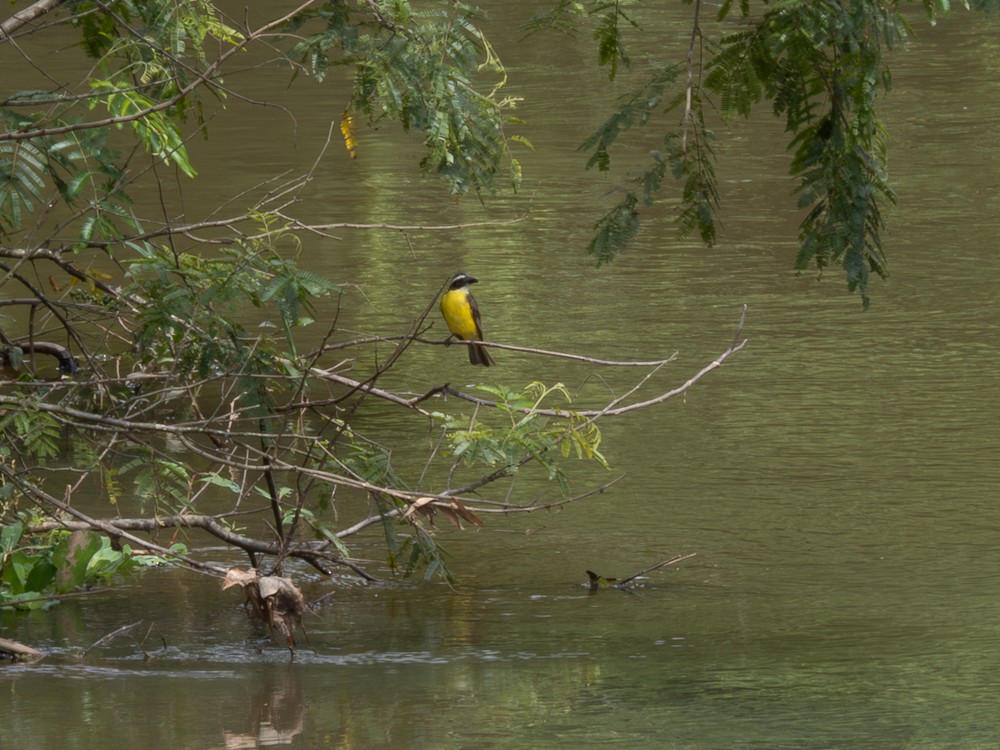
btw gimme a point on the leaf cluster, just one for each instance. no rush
(35, 569)
(425, 70)
(80, 165)
(191, 305)
(821, 64)
(150, 62)
(519, 428)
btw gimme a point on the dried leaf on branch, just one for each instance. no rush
(273, 599)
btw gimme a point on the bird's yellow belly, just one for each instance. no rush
(458, 315)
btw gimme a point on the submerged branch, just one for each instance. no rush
(19, 650)
(597, 582)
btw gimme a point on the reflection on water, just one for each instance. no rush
(277, 712)
(675, 664)
(837, 480)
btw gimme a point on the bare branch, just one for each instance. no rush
(401, 227)
(689, 89)
(26, 16)
(555, 354)
(736, 346)
(107, 527)
(313, 553)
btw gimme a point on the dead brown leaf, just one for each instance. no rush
(273, 599)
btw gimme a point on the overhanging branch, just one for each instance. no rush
(26, 16)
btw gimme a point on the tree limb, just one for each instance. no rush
(736, 346)
(26, 16)
(312, 552)
(42, 497)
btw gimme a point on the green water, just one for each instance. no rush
(836, 480)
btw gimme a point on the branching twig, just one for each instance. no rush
(232, 440)
(736, 346)
(664, 563)
(202, 78)
(110, 637)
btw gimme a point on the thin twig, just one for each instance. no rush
(689, 90)
(110, 637)
(736, 346)
(555, 354)
(664, 563)
(203, 78)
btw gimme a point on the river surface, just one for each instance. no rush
(837, 479)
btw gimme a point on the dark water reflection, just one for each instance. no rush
(838, 481)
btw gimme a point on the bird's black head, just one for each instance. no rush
(460, 280)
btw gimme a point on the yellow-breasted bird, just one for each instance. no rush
(461, 313)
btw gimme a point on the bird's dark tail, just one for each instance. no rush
(478, 355)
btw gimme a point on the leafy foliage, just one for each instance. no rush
(822, 65)
(22, 169)
(192, 301)
(634, 110)
(611, 49)
(420, 68)
(29, 434)
(610, 20)
(615, 230)
(35, 569)
(686, 155)
(525, 431)
(159, 132)
(146, 79)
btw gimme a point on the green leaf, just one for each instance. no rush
(22, 181)
(10, 535)
(615, 230)
(221, 481)
(74, 566)
(105, 561)
(42, 574)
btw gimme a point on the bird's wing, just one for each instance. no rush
(476, 318)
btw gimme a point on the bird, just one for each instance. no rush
(461, 313)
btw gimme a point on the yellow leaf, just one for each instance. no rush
(347, 130)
